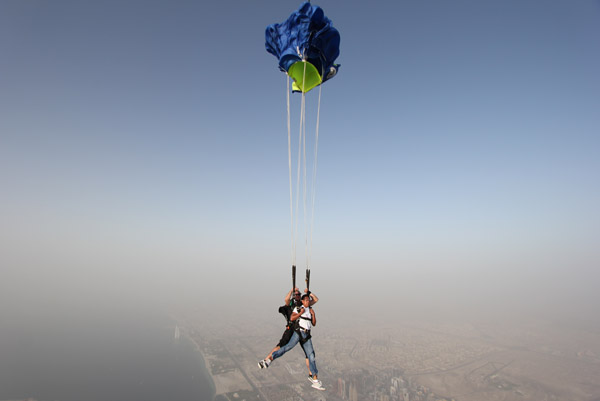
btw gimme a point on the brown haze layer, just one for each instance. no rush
(417, 360)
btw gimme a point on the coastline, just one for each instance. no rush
(215, 387)
(218, 388)
(222, 383)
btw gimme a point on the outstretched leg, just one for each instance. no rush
(285, 338)
(276, 353)
(291, 344)
(270, 356)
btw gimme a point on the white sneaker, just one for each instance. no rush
(310, 379)
(264, 364)
(318, 385)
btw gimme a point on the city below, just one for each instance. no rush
(532, 361)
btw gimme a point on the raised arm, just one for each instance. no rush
(287, 298)
(314, 298)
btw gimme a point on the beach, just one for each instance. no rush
(225, 381)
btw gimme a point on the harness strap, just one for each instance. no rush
(304, 340)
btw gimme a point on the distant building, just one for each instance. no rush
(353, 392)
(341, 389)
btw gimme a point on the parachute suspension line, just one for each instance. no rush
(299, 165)
(304, 180)
(301, 169)
(289, 132)
(314, 180)
(304, 194)
(304, 215)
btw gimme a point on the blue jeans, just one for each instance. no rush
(307, 347)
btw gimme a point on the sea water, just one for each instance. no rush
(99, 356)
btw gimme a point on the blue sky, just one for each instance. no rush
(145, 142)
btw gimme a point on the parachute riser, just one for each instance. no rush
(293, 279)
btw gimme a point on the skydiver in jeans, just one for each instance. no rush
(304, 318)
(289, 303)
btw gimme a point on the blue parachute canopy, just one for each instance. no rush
(307, 35)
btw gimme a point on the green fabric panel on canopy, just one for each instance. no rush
(305, 76)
